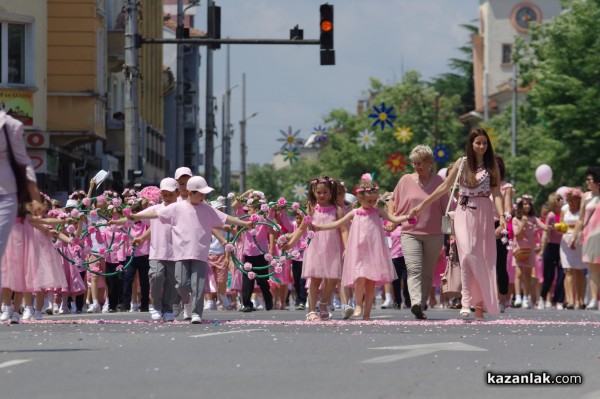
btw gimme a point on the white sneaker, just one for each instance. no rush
(548, 305)
(348, 312)
(150, 307)
(196, 319)
(168, 317)
(593, 305)
(37, 315)
(55, 309)
(388, 304)
(156, 315)
(187, 311)
(94, 308)
(559, 306)
(64, 309)
(6, 313)
(105, 308)
(526, 304)
(518, 301)
(27, 313)
(540, 305)
(134, 308)
(14, 318)
(208, 304)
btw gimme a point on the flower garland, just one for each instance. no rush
(72, 219)
(261, 218)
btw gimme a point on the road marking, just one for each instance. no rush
(224, 332)
(382, 317)
(420, 350)
(14, 362)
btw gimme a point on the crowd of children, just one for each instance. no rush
(169, 251)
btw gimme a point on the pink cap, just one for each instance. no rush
(169, 184)
(183, 171)
(197, 183)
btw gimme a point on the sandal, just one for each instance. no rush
(465, 312)
(323, 311)
(312, 316)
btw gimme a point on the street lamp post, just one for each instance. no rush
(243, 150)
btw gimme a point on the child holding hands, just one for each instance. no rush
(368, 260)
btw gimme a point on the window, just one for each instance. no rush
(506, 53)
(13, 53)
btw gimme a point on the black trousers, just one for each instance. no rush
(141, 265)
(551, 263)
(501, 272)
(114, 285)
(80, 299)
(400, 266)
(299, 282)
(263, 283)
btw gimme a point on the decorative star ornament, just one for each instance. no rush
(396, 162)
(403, 134)
(288, 139)
(441, 153)
(320, 134)
(291, 154)
(366, 139)
(383, 116)
(299, 191)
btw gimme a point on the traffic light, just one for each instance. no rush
(214, 24)
(326, 26)
(326, 39)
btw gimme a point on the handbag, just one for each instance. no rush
(20, 172)
(451, 281)
(522, 254)
(447, 222)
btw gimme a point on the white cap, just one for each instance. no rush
(349, 198)
(71, 203)
(183, 171)
(197, 183)
(217, 204)
(169, 184)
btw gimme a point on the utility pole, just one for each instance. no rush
(210, 116)
(227, 133)
(513, 119)
(132, 74)
(243, 138)
(179, 136)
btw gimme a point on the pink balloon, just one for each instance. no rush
(562, 191)
(543, 174)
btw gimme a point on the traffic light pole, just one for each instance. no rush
(206, 42)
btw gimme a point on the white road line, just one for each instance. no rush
(13, 362)
(420, 350)
(224, 332)
(382, 317)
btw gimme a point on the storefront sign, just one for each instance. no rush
(18, 104)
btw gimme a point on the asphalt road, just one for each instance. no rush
(278, 355)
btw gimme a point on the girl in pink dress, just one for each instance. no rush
(474, 222)
(323, 257)
(368, 260)
(525, 224)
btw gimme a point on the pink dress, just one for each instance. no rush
(527, 239)
(476, 243)
(18, 254)
(590, 223)
(323, 257)
(48, 273)
(367, 254)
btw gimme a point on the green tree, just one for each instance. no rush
(561, 65)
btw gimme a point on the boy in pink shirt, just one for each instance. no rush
(191, 223)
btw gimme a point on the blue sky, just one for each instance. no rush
(286, 86)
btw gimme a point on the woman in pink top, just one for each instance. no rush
(421, 242)
(551, 253)
(474, 223)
